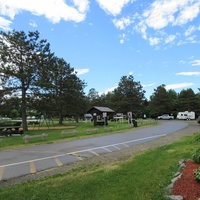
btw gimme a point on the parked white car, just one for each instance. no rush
(165, 116)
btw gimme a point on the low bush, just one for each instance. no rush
(197, 174)
(196, 156)
(197, 137)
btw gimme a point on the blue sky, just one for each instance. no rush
(156, 41)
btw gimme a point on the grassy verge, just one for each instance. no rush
(140, 178)
(54, 134)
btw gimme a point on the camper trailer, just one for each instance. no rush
(186, 115)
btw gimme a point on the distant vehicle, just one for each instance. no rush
(165, 116)
(198, 120)
(5, 118)
(31, 117)
(186, 115)
(88, 116)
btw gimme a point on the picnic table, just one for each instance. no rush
(7, 129)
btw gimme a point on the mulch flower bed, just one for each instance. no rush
(187, 186)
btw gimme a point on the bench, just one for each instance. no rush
(28, 137)
(108, 128)
(92, 130)
(3, 124)
(9, 130)
(74, 132)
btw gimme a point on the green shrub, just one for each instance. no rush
(196, 156)
(197, 137)
(197, 174)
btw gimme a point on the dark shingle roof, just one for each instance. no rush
(103, 109)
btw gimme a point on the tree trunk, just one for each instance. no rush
(76, 118)
(60, 118)
(24, 122)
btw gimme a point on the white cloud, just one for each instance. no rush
(154, 41)
(33, 24)
(130, 73)
(161, 13)
(122, 23)
(108, 90)
(54, 10)
(191, 39)
(121, 41)
(9, 8)
(122, 38)
(81, 71)
(189, 73)
(188, 13)
(182, 62)
(5, 24)
(195, 63)
(113, 7)
(164, 13)
(82, 5)
(170, 39)
(148, 85)
(157, 16)
(179, 85)
(190, 30)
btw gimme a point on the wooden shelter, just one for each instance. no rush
(100, 111)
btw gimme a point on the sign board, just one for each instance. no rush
(104, 115)
(129, 114)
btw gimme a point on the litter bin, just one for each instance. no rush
(134, 123)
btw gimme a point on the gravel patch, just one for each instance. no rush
(120, 155)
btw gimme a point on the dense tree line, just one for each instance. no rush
(36, 82)
(163, 101)
(160, 102)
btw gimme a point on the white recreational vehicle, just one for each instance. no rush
(186, 115)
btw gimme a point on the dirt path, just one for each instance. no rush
(121, 155)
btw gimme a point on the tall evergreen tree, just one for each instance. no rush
(62, 88)
(173, 98)
(21, 56)
(188, 100)
(129, 96)
(160, 102)
(93, 97)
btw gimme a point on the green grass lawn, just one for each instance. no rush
(143, 177)
(55, 134)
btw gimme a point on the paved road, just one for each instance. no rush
(18, 162)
